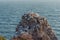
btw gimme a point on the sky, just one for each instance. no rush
(34, 0)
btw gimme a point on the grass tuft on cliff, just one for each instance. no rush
(2, 38)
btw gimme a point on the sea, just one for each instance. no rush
(11, 13)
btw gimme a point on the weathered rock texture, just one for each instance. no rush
(34, 27)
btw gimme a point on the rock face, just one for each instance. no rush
(34, 27)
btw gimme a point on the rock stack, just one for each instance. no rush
(34, 27)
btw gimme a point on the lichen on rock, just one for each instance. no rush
(34, 27)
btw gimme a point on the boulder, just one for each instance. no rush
(34, 27)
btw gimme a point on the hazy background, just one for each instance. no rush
(33, 0)
(12, 10)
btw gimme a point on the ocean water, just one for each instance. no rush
(11, 12)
